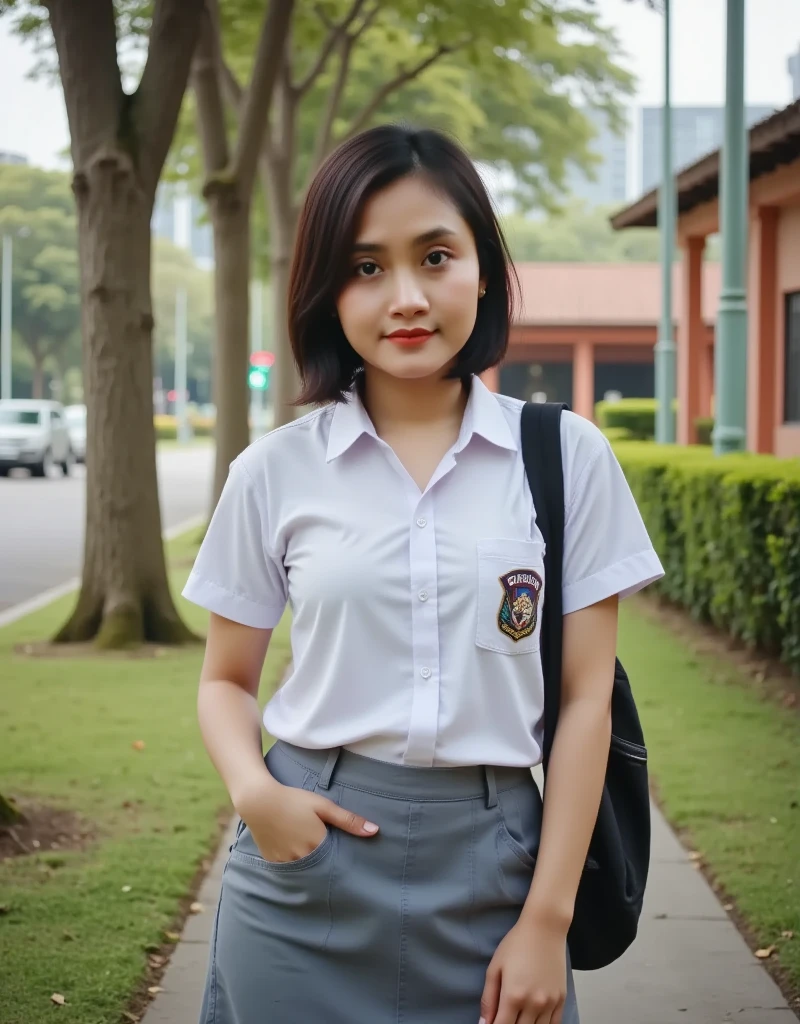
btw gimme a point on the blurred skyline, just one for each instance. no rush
(34, 122)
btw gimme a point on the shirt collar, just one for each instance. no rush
(483, 415)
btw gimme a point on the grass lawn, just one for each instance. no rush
(68, 725)
(725, 759)
(727, 764)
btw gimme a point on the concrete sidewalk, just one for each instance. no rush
(688, 966)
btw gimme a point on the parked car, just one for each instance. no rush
(33, 435)
(75, 416)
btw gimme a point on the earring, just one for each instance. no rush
(481, 293)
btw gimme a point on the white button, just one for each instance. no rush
(423, 595)
(422, 522)
(425, 673)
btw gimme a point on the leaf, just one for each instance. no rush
(131, 1017)
(58, 999)
(765, 954)
(138, 744)
(196, 908)
(126, 888)
(787, 935)
(172, 936)
(694, 855)
(154, 990)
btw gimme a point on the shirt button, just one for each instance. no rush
(423, 595)
(422, 522)
(425, 673)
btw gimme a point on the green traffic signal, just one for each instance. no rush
(258, 378)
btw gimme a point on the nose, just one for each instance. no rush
(408, 297)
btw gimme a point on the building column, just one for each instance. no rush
(583, 379)
(491, 378)
(762, 330)
(691, 340)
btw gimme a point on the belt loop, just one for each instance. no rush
(327, 771)
(491, 786)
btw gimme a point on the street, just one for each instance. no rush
(42, 521)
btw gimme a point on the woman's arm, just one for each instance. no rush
(286, 823)
(577, 763)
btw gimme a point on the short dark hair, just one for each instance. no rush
(321, 264)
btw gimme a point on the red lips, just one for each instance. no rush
(415, 336)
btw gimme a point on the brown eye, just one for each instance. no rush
(439, 256)
(367, 269)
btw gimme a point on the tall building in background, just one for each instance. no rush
(696, 131)
(181, 219)
(793, 65)
(611, 184)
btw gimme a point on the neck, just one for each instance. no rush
(393, 403)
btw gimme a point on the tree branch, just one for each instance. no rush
(335, 34)
(210, 109)
(255, 110)
(231, 88)
(361, 119)
(325, 130)
(173, 37)
(86, 44)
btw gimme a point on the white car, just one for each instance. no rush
(75, 416)
(33, 435)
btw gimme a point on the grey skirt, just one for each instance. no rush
(395, 929)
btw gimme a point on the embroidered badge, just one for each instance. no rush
(519, 610)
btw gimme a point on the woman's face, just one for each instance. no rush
(411, 299)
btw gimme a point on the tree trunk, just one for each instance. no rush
(125, 598)
(230, 217)
(283, 228)
(38, 374)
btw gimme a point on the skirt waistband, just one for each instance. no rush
(404, 782)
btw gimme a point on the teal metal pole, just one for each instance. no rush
(730, 357)
(665, 352)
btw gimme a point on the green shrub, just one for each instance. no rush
(615, 434)
(167, 427)
(727, 531)
(636, 415)
(703, 426)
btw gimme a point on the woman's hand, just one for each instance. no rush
(288, 823)
(526, 982)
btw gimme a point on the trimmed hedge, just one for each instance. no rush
(636, 415)
(615, 434)
(727, 531)
(167, 427)
(704, 425)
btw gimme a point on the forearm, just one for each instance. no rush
(230, 724)
(572, 796)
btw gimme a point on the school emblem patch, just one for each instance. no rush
(520, 605)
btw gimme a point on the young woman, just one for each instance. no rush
(394, 863)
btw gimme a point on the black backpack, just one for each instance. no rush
(611, 890)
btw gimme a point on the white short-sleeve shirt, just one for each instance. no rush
(415, 615)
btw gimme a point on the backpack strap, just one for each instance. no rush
(540, 431)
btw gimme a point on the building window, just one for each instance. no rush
(792, 364)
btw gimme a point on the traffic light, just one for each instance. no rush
(258, 371)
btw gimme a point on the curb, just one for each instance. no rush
(34, 604)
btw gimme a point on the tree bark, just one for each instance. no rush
(125, 597)
(230, 217)
(118, 146)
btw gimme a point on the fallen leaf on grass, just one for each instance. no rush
(765, 954)
(172, 936)
(196, 908)
(787, 935)
(154, 990)
(131, 1017)
(126, 888)
(727, 906)
(157, 961)
(58, 999)
(138, 744)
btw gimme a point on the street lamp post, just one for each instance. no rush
(181, 354)
(730, 357)
(5, 325)
(665, 352)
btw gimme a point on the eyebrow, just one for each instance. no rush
(428, 236)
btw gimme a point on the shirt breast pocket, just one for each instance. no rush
(510, 595)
